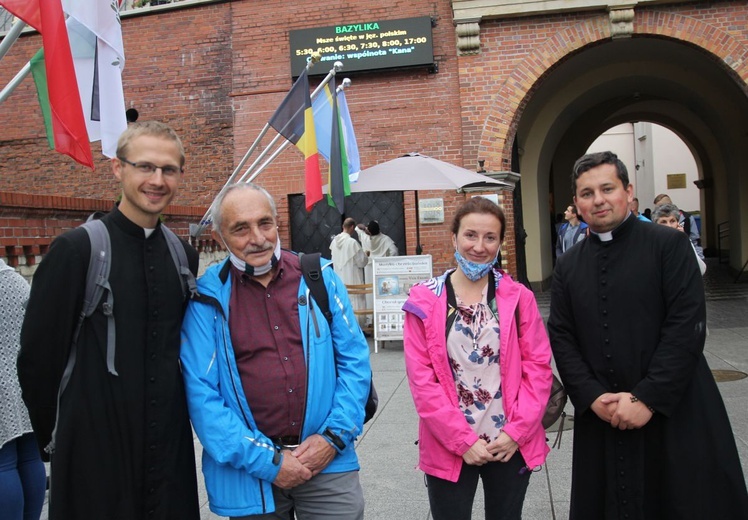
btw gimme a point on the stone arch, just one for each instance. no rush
(506, 111)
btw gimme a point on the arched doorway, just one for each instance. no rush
(665, 81)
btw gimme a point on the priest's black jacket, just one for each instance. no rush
(629, 315)
(124, 446)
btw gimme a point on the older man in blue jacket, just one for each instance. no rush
(276, 395)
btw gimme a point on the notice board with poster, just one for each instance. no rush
(393, 276)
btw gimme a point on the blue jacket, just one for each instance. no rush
(239, 461)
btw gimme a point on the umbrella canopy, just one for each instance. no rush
(413, 172)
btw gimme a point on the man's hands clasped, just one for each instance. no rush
(622, 410)
(304, 462)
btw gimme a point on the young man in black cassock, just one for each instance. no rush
(123, 446)
(652, 439)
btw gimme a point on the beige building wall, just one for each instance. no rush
(651, 152)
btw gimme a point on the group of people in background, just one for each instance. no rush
(352, 252)
(575, 229)
(274, 383)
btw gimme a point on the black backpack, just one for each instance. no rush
(686, 223)
(312, 272)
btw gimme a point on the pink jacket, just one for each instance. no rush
(444, 434)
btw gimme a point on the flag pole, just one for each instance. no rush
(5, 46)
(12, 84)
(197, 229)
(337, 67)
(344, 84)
(314, 59)
(12, 36)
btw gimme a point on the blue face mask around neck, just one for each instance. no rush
(474, 271)
(244, 267)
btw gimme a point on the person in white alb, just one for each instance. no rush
(349, 259)
(381, 244)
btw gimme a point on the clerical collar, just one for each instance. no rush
(607, 236)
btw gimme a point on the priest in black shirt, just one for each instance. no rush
(652, 439)
(123, 447)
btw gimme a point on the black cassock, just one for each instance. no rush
(628, 315)
(124, 446)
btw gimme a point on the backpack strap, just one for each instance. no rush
(312, 271)
(687, 223)
(452, 301)
(451, 305)
(189, 284)
(97, 281)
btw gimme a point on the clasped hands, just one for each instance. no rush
(502, 449)
(304, 462)
(618, 410)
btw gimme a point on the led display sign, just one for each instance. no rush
(364, 46)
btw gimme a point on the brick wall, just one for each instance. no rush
(516, 53)
(216, 72)
(178, 70)
(29, 223)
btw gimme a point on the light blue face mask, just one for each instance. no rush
(474, 271)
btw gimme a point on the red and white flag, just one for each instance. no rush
(68, 128)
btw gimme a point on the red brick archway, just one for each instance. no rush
(510, 99)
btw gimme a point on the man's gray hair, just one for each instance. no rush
(665, 210)
(217, 213)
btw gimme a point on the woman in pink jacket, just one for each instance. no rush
(478, 363)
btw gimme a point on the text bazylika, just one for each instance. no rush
(359, 27)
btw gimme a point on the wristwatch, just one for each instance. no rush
(334, 439)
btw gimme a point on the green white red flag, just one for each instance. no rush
(68, 127)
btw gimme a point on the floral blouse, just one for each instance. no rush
(473, 350)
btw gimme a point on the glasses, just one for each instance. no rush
(147, 168)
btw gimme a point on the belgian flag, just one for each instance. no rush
(294, 120)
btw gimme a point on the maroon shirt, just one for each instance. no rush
(266, 335)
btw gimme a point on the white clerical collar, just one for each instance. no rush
(607, 236)
(148, 231)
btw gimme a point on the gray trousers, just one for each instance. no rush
(326, 496)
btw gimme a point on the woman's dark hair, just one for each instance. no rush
(479, 205)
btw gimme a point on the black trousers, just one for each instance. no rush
(504, 488)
